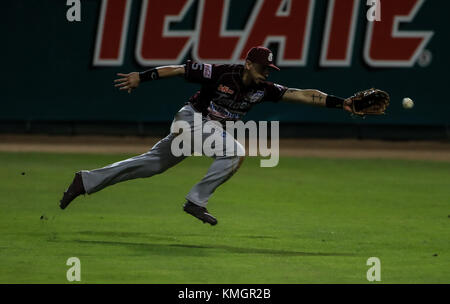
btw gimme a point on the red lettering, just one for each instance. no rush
(214, 44)
(156, 43)
(386, 45)
(112, 32)
(339, 33)
(290, 28)
(285, 22)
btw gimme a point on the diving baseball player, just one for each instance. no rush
(227, 93)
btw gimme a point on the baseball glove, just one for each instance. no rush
(369, 102)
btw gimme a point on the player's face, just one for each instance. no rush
(258, 72)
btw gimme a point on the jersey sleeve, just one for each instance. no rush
(273, 92)
(203, 73)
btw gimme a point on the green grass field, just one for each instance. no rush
(306, 221)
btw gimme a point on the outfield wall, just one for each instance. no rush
(61, 71)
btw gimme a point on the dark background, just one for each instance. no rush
(49, 84)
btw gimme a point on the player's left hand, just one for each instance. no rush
(347, 106)
(368, 102)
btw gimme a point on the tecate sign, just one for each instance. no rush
(286, 22)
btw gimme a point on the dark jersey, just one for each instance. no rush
(223, 96)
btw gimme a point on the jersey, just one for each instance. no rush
(223, 96)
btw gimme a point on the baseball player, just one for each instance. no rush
(227, 93)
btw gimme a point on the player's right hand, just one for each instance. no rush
(128, 81)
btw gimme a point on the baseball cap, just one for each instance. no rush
(261, 55)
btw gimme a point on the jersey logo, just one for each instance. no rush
(207, 70)
(279, 87)
(255, 97)
(225, 89)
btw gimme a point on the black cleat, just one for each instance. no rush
(76, 188)
(199, 212)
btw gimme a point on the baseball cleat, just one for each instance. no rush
(76, 188)
(199, 212)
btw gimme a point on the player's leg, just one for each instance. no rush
(155, 161)
(218, 173)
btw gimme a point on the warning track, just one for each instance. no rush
(323, 148)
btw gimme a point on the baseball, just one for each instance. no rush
(407, 103)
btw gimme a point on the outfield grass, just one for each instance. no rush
(306, 221)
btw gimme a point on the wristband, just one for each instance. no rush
(334, 102)
(148, 75)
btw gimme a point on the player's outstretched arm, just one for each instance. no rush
(315, 98)
(132, 80)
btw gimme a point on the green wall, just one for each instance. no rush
(48, 72)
